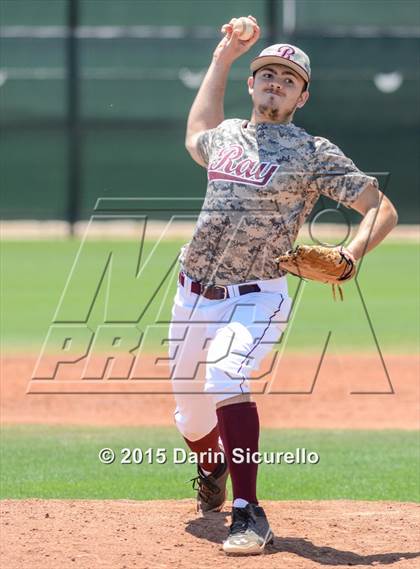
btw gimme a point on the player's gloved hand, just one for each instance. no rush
(328, 265)
(231, 47)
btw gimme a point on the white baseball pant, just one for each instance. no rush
(214, 345)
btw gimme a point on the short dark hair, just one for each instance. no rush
(305, 86)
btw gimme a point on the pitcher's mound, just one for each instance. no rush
(123, 534)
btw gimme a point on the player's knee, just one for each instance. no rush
(195, 425)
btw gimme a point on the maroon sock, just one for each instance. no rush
(239, 428)
(210, 441)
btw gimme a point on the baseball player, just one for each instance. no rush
(264, 176)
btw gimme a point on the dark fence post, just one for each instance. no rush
(73, 117)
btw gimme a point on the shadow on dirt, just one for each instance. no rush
(330, 556)
(214, 527)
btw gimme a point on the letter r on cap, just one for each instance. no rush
(286, 51)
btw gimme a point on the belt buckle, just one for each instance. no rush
(225, 291)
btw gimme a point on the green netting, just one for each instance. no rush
(33, 166)
(129, 12)
(309, 13)
(136, 94)
(148, 79)
(167, 12)
(386, 13)
(33, 12)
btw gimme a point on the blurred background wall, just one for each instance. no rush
(99, 110)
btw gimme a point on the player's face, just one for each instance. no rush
(276, 91)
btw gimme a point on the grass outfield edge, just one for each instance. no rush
(32, 229)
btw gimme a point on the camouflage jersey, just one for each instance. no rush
(263, 181)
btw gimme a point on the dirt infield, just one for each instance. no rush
(39, 534)
(46, 534)
(330, 405)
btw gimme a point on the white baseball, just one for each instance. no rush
(245, 27)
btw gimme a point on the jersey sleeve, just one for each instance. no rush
(335, 175)
(204, 143)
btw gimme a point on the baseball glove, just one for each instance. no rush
(323, 264)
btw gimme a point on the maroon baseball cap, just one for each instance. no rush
(284, 54)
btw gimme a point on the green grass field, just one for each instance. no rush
(62, 462)
(46, 462)
(35, 274)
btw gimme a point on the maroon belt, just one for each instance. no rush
(217, 292)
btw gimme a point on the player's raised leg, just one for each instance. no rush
(195, 414)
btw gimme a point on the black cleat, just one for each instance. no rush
(249, 532)
(211, 489)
